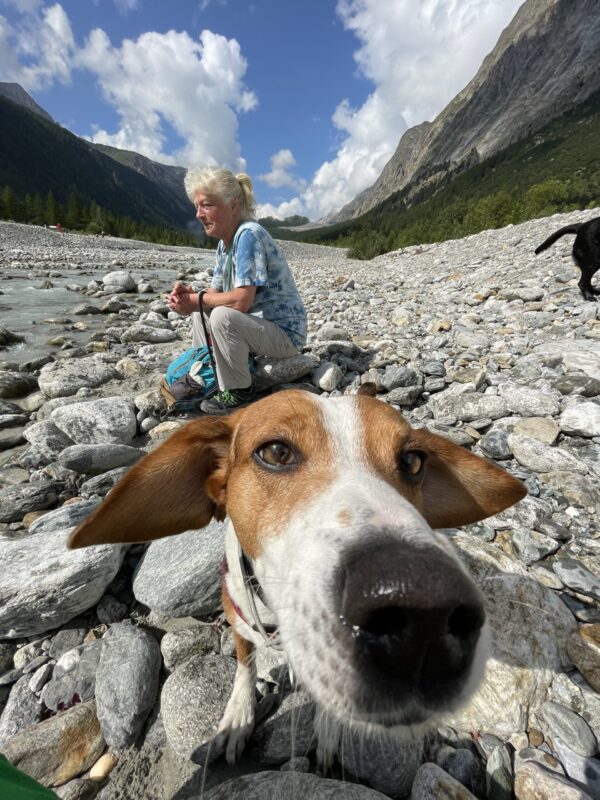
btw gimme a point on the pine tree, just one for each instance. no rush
(73, 219)
(27, 208)
(9, 203)
(37, 209)
(51, 213)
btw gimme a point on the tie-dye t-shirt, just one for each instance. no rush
(258, 261)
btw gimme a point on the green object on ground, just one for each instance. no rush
(15, 785)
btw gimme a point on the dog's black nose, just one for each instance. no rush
(414, 618)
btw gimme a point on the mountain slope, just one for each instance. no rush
(545, 62)
(39, 156)
(16, 93)
(170, 178)
(556, 169)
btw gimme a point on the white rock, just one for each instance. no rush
(109, 420)
(327, 376)
(581, 419)
(119, 281)
(43, 585)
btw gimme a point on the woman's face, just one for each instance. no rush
(219, 218)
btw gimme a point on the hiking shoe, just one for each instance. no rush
(227, 400)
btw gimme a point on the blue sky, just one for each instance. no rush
(310, 97)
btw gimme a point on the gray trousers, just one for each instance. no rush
(235, 335)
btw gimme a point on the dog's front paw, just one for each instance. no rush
(328, 731)
(235, 728)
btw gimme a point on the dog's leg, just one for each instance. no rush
(587, 271)
(593, 289)
(328, 732)
(238, 720)
(586, 288)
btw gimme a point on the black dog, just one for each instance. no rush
(586, 252)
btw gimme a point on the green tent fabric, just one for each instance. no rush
(15, 785)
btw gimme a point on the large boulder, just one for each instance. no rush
(467, 406)
(47, 439)
(273, 372)
(16, 384)
(63, 518)
(126, 682)
(22, 710)
(59, 748)
(275, 785)
(91, 458)
(64, 378)
(530, 630)
(16, 501)
(193, 701)
(141, 332)
(119, 282)
(43, 585)
(108, 420)
(179, 576)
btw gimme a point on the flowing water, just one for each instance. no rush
(42, 314)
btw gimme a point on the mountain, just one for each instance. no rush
(544, 63)
(16, 93)
(170, 178)
(554, 170)
(39, 156)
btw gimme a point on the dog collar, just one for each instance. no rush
(253, 590)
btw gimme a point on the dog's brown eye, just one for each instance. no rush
(411, 464)
(276, 454)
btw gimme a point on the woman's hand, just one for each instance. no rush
(183, 299)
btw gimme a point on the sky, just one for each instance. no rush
(309, 97)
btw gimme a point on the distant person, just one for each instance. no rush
(253, 302)
(59, 227)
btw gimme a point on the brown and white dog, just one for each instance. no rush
(331, 505)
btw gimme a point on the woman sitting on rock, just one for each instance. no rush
(253, 302)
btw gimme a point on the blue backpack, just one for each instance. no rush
(189, 379)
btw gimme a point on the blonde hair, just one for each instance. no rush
(224, 184)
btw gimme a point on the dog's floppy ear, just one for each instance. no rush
(460, 487)
(165, 492)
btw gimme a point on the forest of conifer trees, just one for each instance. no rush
(93, 219)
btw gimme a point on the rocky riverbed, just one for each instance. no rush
(125, 650)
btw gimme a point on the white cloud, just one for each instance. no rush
(283, 210)
(194, 86)
(126, 5)
(418, 56)
(159, 84)
(204, 4)
(24, 6)
(280, 175)
(10, 68)
(424, 55)
(40, 51)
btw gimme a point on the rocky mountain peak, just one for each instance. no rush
(544, 63)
